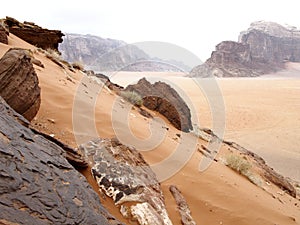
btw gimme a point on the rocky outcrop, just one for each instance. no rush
(38, 185)
(19, 82)
(266, 172)
(105, 80)
(262, 49)
(122, 174)
(34, 34)
(105, 54)
(162, 98)
(184, 210)
(3, 34)
(270, 42)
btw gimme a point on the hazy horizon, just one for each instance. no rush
(197, 26)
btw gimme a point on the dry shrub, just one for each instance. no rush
(132, 97)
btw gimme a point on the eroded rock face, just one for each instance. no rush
(3, 35)
(106, 54)
(272, 42)
(34, 34)
(122, 174)
(19, 84)
(38, 185)
(262, 49)
(162, 98)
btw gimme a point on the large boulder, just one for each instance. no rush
(262, 49)
(19, 84)
(122, 174)
(3, 34)
(38, 185)
(34, 34)
(162, 98)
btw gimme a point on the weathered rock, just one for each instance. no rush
(74, 157)
(184, 210)
(262, 49)
(38, 185)
(122, 174)
(162, 98)
(3, 35)
(35, 35)
(112, 86)
(19, 84)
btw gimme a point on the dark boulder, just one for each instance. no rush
(19, 85)
(162, 98)
(37, 184)
(35, 35)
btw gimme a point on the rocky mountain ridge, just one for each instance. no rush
(261, 49)
(105, 54)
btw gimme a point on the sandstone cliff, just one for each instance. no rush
(262, 49)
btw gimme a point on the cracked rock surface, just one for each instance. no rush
(37, 184)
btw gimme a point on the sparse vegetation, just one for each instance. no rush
(78, 65)
(238, 163)
(53, 54)
(132, 97)
(242, 166)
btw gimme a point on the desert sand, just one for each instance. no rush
(261, 114)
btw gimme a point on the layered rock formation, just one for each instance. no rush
(38, 185)
(262, 49)
(34, 34)
(3, 34)
(19, 82)
(122, 174)
(162, 98)
(101, 54)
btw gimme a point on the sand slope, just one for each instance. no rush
(216, 196)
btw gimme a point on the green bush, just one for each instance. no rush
(132, 97)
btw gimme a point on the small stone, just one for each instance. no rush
(51, 120)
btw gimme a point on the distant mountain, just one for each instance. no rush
(100, 54)
(262, 49)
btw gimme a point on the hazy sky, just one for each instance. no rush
(194, 25)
